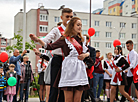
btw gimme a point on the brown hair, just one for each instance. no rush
(66, 10)
(129, 42)
(87, 36)
(59, 23)
(42, 62)
(69, 32)
(119, 48)
(12, 65)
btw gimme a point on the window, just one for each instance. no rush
(123, 45)
(3, 49)
(134, 25)
(57, 19)
(135, 46)
(133, 10)
(96, 44)
(108, 24)
(108, 34)
(110, 11)
(96, 23)
(43, 28)
(114, 9)
(133, 36)
(122, 25)
(84, 21)
(122, 35)
(84, 31)
(108, 45)
(133, 2)
(42, 50)
(3, 42)
(43, 17)
(96, 34)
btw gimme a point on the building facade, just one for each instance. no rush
(119, 7)
(108, 28)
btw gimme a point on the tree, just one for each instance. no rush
(19, 44)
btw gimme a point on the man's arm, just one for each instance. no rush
(133, 62)
(14, 59)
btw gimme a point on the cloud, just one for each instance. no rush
(9, 8)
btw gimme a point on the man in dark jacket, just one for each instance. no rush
(90, 70)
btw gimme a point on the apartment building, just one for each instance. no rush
(108, 28)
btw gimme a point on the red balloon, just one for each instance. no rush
(3, 57)
(116, 42)
(91, 31)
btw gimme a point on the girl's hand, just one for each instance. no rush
(110, 75)
(44, 68)
(81, 56)
(37, 52)
(118, 70)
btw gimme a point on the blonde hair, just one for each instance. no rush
(25, 57)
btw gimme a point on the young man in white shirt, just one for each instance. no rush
(53, 36)
(132, 59)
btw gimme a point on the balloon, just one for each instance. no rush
(3, 57)
(12, 81)
(116, 42)
(91, 31)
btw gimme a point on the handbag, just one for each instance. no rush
(88, 61)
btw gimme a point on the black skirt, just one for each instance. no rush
(41, 79)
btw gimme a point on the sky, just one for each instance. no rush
(9, 8)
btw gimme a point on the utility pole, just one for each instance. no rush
(24, 25)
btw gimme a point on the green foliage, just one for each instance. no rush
(35, 84)
(19, 44)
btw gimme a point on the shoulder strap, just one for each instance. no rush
(61, 30)
(128, 59)
(109, 64)
(77, 46)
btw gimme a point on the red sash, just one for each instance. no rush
(134, 72)
(129, 63)
(117, 75)
(109, 64)
(76, 45)
(61, 30)
(51, 52)
(43, 64)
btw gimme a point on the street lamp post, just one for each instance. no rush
(24, 24)
(90, 20)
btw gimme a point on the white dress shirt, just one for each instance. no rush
(133, 58)
(53, 36)
(39, 66)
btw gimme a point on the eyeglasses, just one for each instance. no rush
(69, 16)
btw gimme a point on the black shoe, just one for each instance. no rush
(108, 99)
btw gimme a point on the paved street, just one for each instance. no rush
(37, 99)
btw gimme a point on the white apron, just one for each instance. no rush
(73, 71)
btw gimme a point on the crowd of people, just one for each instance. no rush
(71, 70)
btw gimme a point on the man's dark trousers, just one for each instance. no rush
(129, 81)
(89, 92)
(55, 66)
